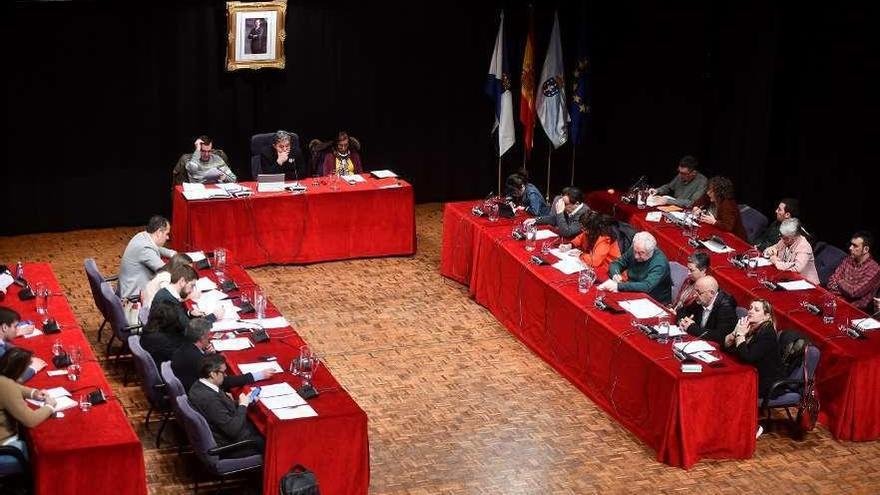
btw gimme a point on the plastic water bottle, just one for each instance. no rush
(19, 270)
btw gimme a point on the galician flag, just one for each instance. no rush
(527, 89)
(498, 89)
(552, 111)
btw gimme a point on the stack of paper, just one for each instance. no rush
(642, 308)
(193, 191)
(544, 234)
(210, 300)
(569, 265)
(383, 174)
(5, 281)
(196, 256)
(353, 178)
(267, 323)
(205, 284)
(225, 325)
(796, 285)
(653, 200)
(760, 261)
(235, 344)
(654, 216)
(260, 366)
(865, 323)
(284, 402)
(232, 188)
(694, 346)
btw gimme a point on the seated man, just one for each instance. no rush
(226, 418)
(284, 157)
(857, 277)
(787, 208)
(342, 160)
(183, 282)
(207, 166)
(647, 270)
(10, 328)
(185, 361)
(162, 335)
(566, 214)
(712, 315)
(525, 195)
(793, 252)
(688, 186)
(143, 257)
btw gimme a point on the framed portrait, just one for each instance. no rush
(255, 35)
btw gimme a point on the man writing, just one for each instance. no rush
(712, 314)
(857, 277)
(647, 269)
(143, 257)
(206, 165)
(183, 282)
(10, 328)
(688, 186)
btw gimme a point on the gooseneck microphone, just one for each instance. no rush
(681, 354)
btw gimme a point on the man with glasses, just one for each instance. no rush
(284, 157)
(688, 186)
(713, 313)
(793, 252)
(226, 418)
(857, 277)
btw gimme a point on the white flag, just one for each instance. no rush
(498, 88)
(552, 111)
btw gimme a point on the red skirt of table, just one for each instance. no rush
(81, 453)
(634, 379)
(848, 376)
(369, 219)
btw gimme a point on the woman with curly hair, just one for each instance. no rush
(598, 242)
(718, 207)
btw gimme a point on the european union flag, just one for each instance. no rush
(580, 100)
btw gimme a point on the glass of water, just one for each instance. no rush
(73, 371)
(259, 302)
(57, 348)
(663, 328)
(829, 309)
(42, 294)
(85, 403)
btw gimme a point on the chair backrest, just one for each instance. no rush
(678, 272)
(812, 361)
(172, 383)
(261, 144)
(197, 430)
(144, 314)
(146, 369)
(828, 258)
(741, 312)
(178, 173)
(318, 149)
(753, 220)
(115, 313)
(95, 280)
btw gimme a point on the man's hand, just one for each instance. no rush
(617, 278)
(770, 251)
(529, 221)
(40, 394)
(609, 285)
(685, 323)
(559, 206)
(282, 157)
(49, 401)
(37, 364)
(652, 191)
(244, 399)
(198, 145)
(219, 312)
(708, 218)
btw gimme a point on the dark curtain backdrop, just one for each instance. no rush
(103, 97)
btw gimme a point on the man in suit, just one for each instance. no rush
(183, 282)
(185, 361)
(712, 315)
(566, 213)
(143, 256)
(342, 160)
(226, 417)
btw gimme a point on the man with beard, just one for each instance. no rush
(183, 282)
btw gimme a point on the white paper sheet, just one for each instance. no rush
(569, 265)
(204, 193)
(62, 403)
(210, 300)
(642, 308)
(703, 356)
(295, 412)
(205, 284)
(866, 323)
(57, 392)
(796, 285)
(267, 323)
(235, 344)
(193, 186)
(270, 187)
(716, 247)
(571, 253)
(654, 216)
(694, 346)
(276, 389)
(681, 216)
(225, 325)
(760, 261)
(260, 366)
(56, 372)
(36, 333)
(674, 331)
(544, 234)
(652, 200)
(280, 401)
(197, 256)
(232, 187)
(383, 174)
(352, 178)
(5, 281)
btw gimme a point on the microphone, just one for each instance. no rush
(645, 329)
(812, 308)
(857, 332)
(681, 354)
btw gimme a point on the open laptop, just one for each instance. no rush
(270, 182)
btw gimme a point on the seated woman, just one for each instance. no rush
(718, 207)
(342, 160)
(698, 267)
(598, 242)
(525, 195)
(754, 341)
(163, 278)
(15, 411)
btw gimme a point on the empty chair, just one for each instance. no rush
(116, 317)
(678, 272)
(753, 220)
(202, 440)
(793, 389)
(828, 258)
(151, 384)
(172, 384)
(95, 280)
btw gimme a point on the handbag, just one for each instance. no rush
(809, 407)
(299, 481)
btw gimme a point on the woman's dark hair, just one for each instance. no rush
(722, 186)
(14, 362)
(701, 260)
(515, 183)
(596, 225)
(163, 318)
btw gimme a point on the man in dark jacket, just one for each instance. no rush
(712, 315)
(183, 282)
(566, 213)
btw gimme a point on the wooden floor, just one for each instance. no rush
(456, 405)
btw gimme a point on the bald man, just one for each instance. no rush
(712, 315)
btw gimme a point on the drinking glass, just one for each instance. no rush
(57, 348)
(752, 262)
(641, 197)
(73, 371)
(309, 366)
(586, 277)
(85, 403)
(219, 261)
(493, 212)
(76, 355)
(259, 303)
(297, 365)
(42, 294)
(829, 309)
(663, 328)
(531, 231)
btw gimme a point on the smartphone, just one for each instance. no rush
(255, 392)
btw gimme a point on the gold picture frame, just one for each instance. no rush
(255, 36)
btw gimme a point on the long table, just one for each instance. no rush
(634, 379)
(368, 219)
(848, 376)
(334, 444)
(79, 453)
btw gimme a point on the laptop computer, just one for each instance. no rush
(270, 182)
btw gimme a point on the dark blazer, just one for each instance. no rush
(727, 217)
(227, 420)
(721, 319)
(185, 364)
(161, 345)
(182, 314)
(298, 170)
(568, 225)
(328, 167)
(762, 351)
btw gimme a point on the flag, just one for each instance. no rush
(498, 89)
(580, 101)
(551, 97)
(527, 88)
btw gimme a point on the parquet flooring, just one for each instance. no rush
(456, 405)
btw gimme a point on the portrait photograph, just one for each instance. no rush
(255, 35)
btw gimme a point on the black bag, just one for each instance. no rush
(791, 349)
(299, 481)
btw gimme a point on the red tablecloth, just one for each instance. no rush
(334, 445)
(634, 379)
(368, 219)
(848, 376)
(81, 453)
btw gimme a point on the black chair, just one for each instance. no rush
(753, 220)
(202, 440)
(151, 384)
(95, 280)
(827, 258)
(791, 390)
(179, 175)
(23, 468)
(261, 144)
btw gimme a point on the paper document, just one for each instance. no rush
(694, 346)
(62, 403)
(295, 412)
(353, 178)
(703, 356)
(206, 193)
(210, 300)
(571, 253)
(279, 401)
(193, 186)
(233, 187)
(196, 256)
(865, 323)
(270, 187)
(544, 234)
(225, 325)
(760, 261)
(716, 247)
(235, 344)
(57, 392)
(57, 372)
(253, 367)
(569, 265)
(653, 200)
(796, 285)
(36, 333)
(205, 284)
(214, 175)
(383, 174)
(5, 281)
(276, 389)
(642, 308)
(267, 323)
(680, 216)
(674, 331)
(654, 216)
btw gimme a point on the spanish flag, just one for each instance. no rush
(527, 88)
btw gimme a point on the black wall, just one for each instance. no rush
(103, 97)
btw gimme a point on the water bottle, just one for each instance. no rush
(640, 199)
(19, 271)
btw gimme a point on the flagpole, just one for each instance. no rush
(549, 155)
(499, 176)
(573, 148)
